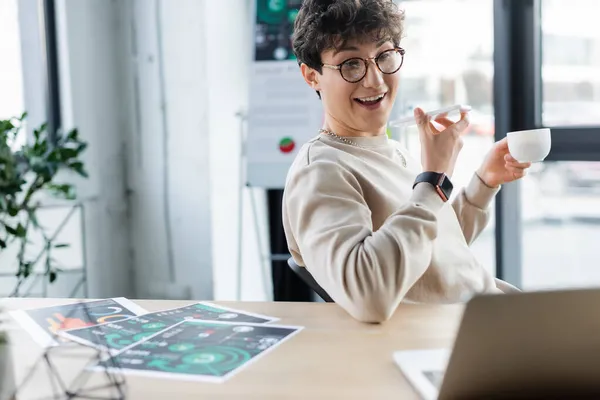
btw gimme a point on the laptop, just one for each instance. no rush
(522, 345)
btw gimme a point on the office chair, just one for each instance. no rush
(309, 280)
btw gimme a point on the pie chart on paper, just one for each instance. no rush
(286, 145)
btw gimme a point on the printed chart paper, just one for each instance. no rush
(200, 350)
(43, 324)
(118, 336)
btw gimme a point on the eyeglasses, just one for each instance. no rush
(355, 69)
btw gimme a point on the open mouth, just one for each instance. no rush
(370, 101)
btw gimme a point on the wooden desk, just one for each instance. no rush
(333, 357)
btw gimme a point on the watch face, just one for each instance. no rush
(446, 186)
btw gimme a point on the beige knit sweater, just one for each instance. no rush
(353, 220)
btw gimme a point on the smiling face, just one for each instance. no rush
(361, 108)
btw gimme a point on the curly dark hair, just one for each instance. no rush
(329, 24)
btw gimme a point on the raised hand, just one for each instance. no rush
(500, 167)
(440, 148)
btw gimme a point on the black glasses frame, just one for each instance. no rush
(366, 61)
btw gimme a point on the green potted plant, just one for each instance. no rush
(27, 174)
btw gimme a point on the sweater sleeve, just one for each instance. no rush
(471, 206)
(367, 273)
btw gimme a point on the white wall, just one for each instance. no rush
(169, 151)
(228, 39)
(91, 82)
(154, 87)
(203, 85)
(32, 64)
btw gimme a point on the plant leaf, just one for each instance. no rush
(24, 269)
(21, 231)
(7, 125)
(66, 191)
(13, 210)
(73, 134)
(78, 167)
(67, 153)
(52, 276)
(10, 230)
(61, 245)
(33, 218)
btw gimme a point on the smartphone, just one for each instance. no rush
(433, 113)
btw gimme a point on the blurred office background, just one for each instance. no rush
(159, 88)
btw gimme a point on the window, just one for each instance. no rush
(561, 225)
(560, 217)
(567, 50)
(11, 80)
(453, 68)
(570, 62)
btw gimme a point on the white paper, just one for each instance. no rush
(237, 311)
(197, 377)
(44, 337)
(420, 367)
(87, 336)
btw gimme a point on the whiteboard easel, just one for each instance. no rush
(264, 260)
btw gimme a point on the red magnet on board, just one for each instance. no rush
(287, 145)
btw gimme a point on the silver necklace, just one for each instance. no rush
(352, 143)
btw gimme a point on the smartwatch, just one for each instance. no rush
(440, 182)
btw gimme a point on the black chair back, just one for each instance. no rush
(309, 280)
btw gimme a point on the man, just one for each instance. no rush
(372, 225)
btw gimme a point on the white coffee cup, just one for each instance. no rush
(531, 145)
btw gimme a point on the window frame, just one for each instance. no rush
(518, 106)
(53, 114)
(39, 57)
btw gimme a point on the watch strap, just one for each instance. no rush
(439, 181)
